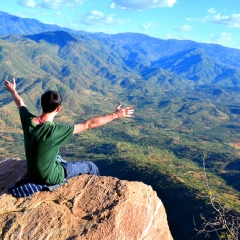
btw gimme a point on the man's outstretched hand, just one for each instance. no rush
(100, 121)
(11, 87)
(124, 112)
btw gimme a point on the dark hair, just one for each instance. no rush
(50, 101)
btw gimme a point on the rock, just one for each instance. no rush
(87, 207)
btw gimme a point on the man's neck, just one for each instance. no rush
(46, 117)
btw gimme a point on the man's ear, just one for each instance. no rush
(58, 109)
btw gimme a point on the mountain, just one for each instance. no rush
(202, 63)
(195, 64)
(16, 25)
(11, 24)
(135, 43)
(207, 64)
(155, 48)
(79, 63)
(60, 38)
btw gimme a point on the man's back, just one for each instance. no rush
(42, 143)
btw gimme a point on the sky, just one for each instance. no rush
(205, 21)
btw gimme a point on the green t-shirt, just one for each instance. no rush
(42, 143)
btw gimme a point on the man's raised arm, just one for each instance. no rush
(100, 121)
(11, 87)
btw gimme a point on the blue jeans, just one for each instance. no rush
(73, 169)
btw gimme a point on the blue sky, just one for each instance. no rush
(208, 21)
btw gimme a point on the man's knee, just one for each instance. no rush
(93, 168)
(74, 169)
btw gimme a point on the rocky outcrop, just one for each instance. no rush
(87, 207)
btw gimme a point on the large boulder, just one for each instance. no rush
(87, 207)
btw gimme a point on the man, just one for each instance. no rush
(43, 138)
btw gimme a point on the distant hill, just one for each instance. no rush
(60, 38)
(16, 25)
(80, 63)
(142, 45)
(141, 48)
(202, 63)
(10, 24)
(196, 65)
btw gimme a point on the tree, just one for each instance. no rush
(224, 222)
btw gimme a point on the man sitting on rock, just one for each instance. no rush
(43, 138)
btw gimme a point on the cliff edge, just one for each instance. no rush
(87, 207)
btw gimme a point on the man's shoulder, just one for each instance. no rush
(63, 128)
(63, 125)
(23, 108)
(24, 113)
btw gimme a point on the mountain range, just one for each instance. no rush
(185, 58)
(185, 94)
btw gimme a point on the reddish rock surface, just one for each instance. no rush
(87, 207)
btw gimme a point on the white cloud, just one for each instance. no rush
(58, 13)
(169, 36)
(231, 21)
(50, 4)
(222, 38)
(184, 28)
(112, 6)
(144, 4)
(149, 25)
(99, 18)
(212, 11)
(27, 3)
(56, 4)
(194, 19)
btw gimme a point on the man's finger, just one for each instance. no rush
(6, 83)
(14, 82)
(129, 111)
(119, 106)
